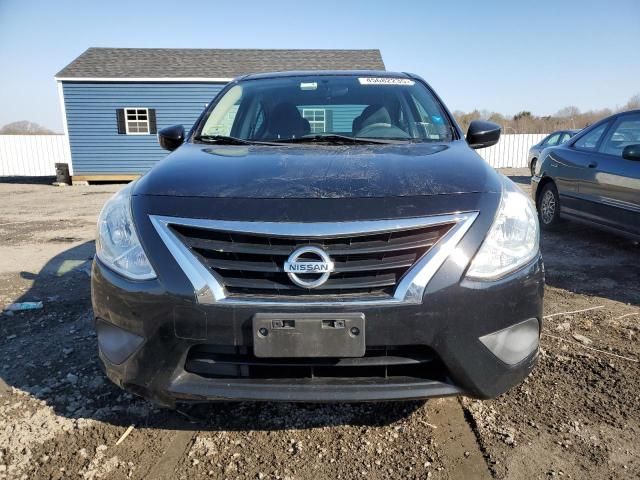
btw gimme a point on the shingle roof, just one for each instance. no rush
(211, 63)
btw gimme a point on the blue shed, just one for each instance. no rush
(113, 100)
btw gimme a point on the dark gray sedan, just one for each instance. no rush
(551, 140)
(373, 257)
(594, 178)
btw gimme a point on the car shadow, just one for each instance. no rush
(54, 352)
(588, 261)
(521, 179)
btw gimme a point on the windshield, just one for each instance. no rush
(336, 107)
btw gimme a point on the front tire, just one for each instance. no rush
(533, 166)
(549, 207)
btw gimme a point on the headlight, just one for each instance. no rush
(512, 241)
(117, 244)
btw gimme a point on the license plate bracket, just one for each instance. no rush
(295, 335)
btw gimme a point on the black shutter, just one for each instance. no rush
(122, 129)
(153, 127)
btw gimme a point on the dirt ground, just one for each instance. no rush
(576, 416)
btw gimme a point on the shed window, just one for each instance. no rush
(316, 118)
(137, 121)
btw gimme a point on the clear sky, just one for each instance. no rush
(504, 56)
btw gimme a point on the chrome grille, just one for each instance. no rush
(379, 261)
(366, 264)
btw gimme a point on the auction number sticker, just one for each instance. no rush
(385, 81)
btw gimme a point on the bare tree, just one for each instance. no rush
(568, 112)
(464, 119)
(571, 113)
(633, 103)
(24, 127)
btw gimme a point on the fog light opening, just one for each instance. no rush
(116, 343)
(515, 343)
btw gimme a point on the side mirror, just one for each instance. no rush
(172, 137)
(631, 152)
(483, 134)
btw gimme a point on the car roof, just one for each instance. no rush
(565, 130)
(626, 112)
(619, 114)
(326, 73)
(609, 118)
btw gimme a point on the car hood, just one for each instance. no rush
(319, 171)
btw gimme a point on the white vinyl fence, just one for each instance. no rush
(512, 150)
(32, 155)
(36, 155)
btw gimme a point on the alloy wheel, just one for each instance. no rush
(548, 207)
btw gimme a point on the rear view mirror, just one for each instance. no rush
(483, 134)
(631, 152)
(171, 138)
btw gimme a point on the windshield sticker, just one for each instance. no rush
(308, 85)
(385, 81)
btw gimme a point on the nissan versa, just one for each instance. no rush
(319, 236)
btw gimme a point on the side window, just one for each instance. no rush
(430, 126)
(590, 140)
(552, 140)
(225, 124)
(221, 120)
(564, 138)
(626, 131)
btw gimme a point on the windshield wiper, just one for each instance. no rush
(334, 138)
(226, 140)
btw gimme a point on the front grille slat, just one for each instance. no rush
(368, 361)
(332, 284)
(237, 247)
(243, 266)
(387, 263)
(379, 247)
(374, 246)
(375, 264)
(367, 264)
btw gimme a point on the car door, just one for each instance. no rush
(616, 183)
(572, 167)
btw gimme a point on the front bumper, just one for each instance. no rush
(535, 182)
(450, 321)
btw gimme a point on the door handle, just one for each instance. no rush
(592, 164)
